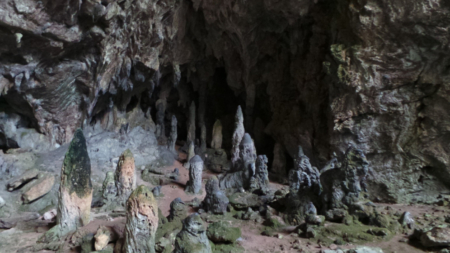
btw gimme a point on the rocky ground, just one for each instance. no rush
(258, 233)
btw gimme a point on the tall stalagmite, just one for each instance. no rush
(125, 176)
(238, 134)
(216, 142)
(142, 221)
(75, 191)
(191, 125)
(194, 185)
(173, 134)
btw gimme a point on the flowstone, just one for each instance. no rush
(215, 200)
(304, 189)
(194, 185)
(142, 221)
(125, 176)
(192, 237)
(75, 191)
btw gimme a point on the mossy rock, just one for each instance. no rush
(273, 223)
(220, 232)
(227, 248)
(356, 233)
(244, 200)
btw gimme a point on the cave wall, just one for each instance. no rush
(322, 74)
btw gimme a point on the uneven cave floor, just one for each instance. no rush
(23, 236)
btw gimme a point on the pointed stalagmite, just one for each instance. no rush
(216, 142)
(194, 185)
(75, 191)
(142, 221)
(191, 125)
(238, 134)
(173, 134)
(125, 176)
(109, 192)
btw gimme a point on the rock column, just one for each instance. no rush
(191, 125)
(238, 134)
(125, 176)
(194, 185)
(216, 142)
(142, 221)
(75, 191)
(173, 134)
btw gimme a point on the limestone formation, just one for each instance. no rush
(278, 169)
(142, 221)
(75, 191)
(160, 128)
(192, 237)
(177, 210)
(38, 187)
(215, 200)
(22, 179)
(216, 142)
(259, 183)
(103, 236)
(342, 185)
(216, 160)
(173, 134)
(191, 126)
(194, 185)
(245, 167)
(109, 190)
(157, 191)
(203, 139)
(190, 155)
(125, 176)
(238, 134)
(304, 189)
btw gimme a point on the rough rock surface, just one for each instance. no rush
(313, 73)
(75, 191)
(125, 176)
(192, 237)
(215, 200)
(38, 188)
(142, 221)
(194, 185)
(216, 142)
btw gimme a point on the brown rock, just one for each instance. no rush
(22, 179)
(125, 176)
(38, 188)
(103, 236)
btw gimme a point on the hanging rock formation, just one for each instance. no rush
(238, 134)
(193, 236)
(191, 126)
(75, 191)
(142, 221)
(194, 185)
(125, 176)
(173, 134)
(215, 200)
(216, 142)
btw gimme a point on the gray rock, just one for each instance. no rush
(2, 202)
(177, 210)
(436, 237)
(238, 134)
(192, 237)
(194, 185)
(259, 183)
(109, 190)
(191, 126)
(173, 134)
(215, 200)
(216, 142)
(157, 191)
(407, 221)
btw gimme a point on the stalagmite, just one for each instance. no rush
(259, 183)
(216, 142)
(203, 139)
(177, 210)
(193, 236)
(194, 185)
(109, 190)
(173, 134)
(190, 154)
(75, 191)
(125, 176)
(215, 200)
(191, 125)
(238, 134)
(160, 111)
(142, 221)
(278, 170)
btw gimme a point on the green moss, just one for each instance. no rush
(338, 52)
(227, 248)
(77, 166)
(355, 233)
(220, 232)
